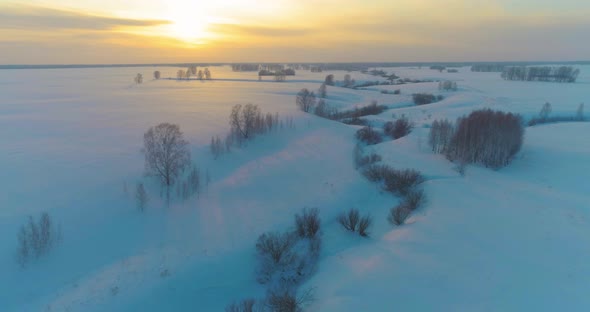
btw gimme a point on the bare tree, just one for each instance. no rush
(141, 197)
(180, 74)
(305, 100)
(322, 91)
(243, 120)
(580, 112)
(138, 78)
(157, 74)
(545, 111)
(207, 73)
(166, 153)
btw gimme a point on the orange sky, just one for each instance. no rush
(134, 31)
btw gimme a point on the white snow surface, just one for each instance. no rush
(514, 239)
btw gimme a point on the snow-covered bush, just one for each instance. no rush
(368, 136)
(487, 137)
(361, 161)
(275, 245)
(308, 223)
(399, 128)
(36, 238)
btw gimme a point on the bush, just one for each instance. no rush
(441, 133)
(397, 91)
(371, 109)
(377, 173)
(364, 225)
(285, 300)
(275, 245)
(399, 128)
(246, 305)
(349, 220)
(35, 239)
(488, 137)
(398, 215)
(352, 221)
(423, 98)
(368, 136)
(414, 199)
(401, 182)
(307, 224)
(355, 121)
(362, 161)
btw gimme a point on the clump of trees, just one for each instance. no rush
(425, 98)
(157, 74)
(247, 121)
(447, 85)
(245, 67)
(166, 153)
(357, 112)
(486, 137)
(441, 133)
(36, 238)
(488, 68)
(541, 73)
(400, 128)
(305, 100)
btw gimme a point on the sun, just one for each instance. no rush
(189, 23)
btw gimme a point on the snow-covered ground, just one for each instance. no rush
(70, 139)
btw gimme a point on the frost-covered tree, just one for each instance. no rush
(166, 153)
(347, 81)
(138, 78)
(36, 238)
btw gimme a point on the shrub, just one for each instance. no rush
(36, 239)
(377, 173)
(402, 181)
(488, 137)
(398, 215)
(364, 225)
(397, 91)
(285, 301)
(423, 98)
(371, 109)
(441, 133)
(349, 220)
(368, 135)
(399, 128)
(362, 161)
(308, 223)
(274, 245)
(324, 110)
(414, 199)
(352, 221)
(246, 305)
(355, 121)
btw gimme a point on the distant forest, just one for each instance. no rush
(541, 73)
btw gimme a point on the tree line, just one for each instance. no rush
(541, 73)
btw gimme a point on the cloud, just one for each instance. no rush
(257, 31)
(43, 19)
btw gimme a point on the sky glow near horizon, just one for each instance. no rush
(134, 31)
